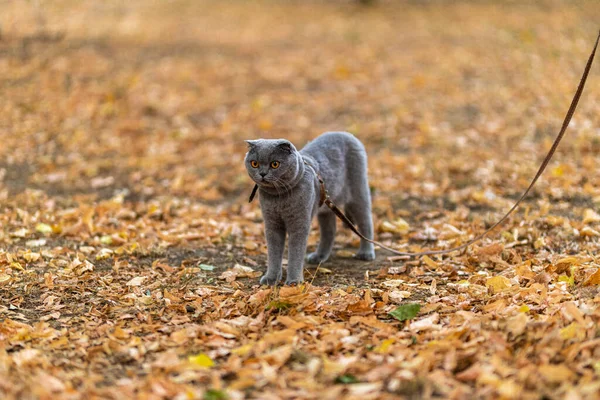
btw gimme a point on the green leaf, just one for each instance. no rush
(406, 311)
(212, 394)
(278, 305)
(346, 379)
(206, 267)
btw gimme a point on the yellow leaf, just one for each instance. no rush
(384, 346)
(17, 265)
(201, 360)
(43, 228)
(524, 308)
(558, 171)
(568, 279)
(569, 331)
(498, 283)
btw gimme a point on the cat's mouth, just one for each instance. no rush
(264, 182)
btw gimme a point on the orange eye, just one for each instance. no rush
(254, 164)
(274, 164)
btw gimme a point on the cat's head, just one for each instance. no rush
(271, 162)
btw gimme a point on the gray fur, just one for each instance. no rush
(289, 197)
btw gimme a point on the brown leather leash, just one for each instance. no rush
(325, 199)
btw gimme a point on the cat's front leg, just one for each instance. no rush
(275, 234)
(297, 250)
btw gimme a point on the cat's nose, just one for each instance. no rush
(263, 174)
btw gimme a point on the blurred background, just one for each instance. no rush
(148, 102)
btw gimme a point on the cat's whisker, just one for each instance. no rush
(286, 186)
(280, 184)
(276, 186)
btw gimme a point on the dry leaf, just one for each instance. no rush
(498, 283)
(593, 279)
(137, 281)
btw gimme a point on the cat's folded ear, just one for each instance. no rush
(251, 143)
(286, 146)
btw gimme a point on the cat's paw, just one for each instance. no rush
(365, 255)
(269, 280)
(293, 282)
(315, 258)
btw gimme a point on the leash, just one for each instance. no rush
(325, 199)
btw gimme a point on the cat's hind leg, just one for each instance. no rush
(359, 211)
(327, 230)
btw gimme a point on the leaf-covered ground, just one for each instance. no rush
(130, 257)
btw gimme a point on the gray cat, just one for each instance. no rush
(290, 195)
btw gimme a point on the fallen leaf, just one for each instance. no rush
(590, 216)
(398, 226)
(593, 279)
(428, 323)
(43, 228)
(498, 283)
(516, 325)
(572, 331)
(137, 281)
(398, 295)
(239, 271)
(406, 311)
(555, 373)
(201, 360)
